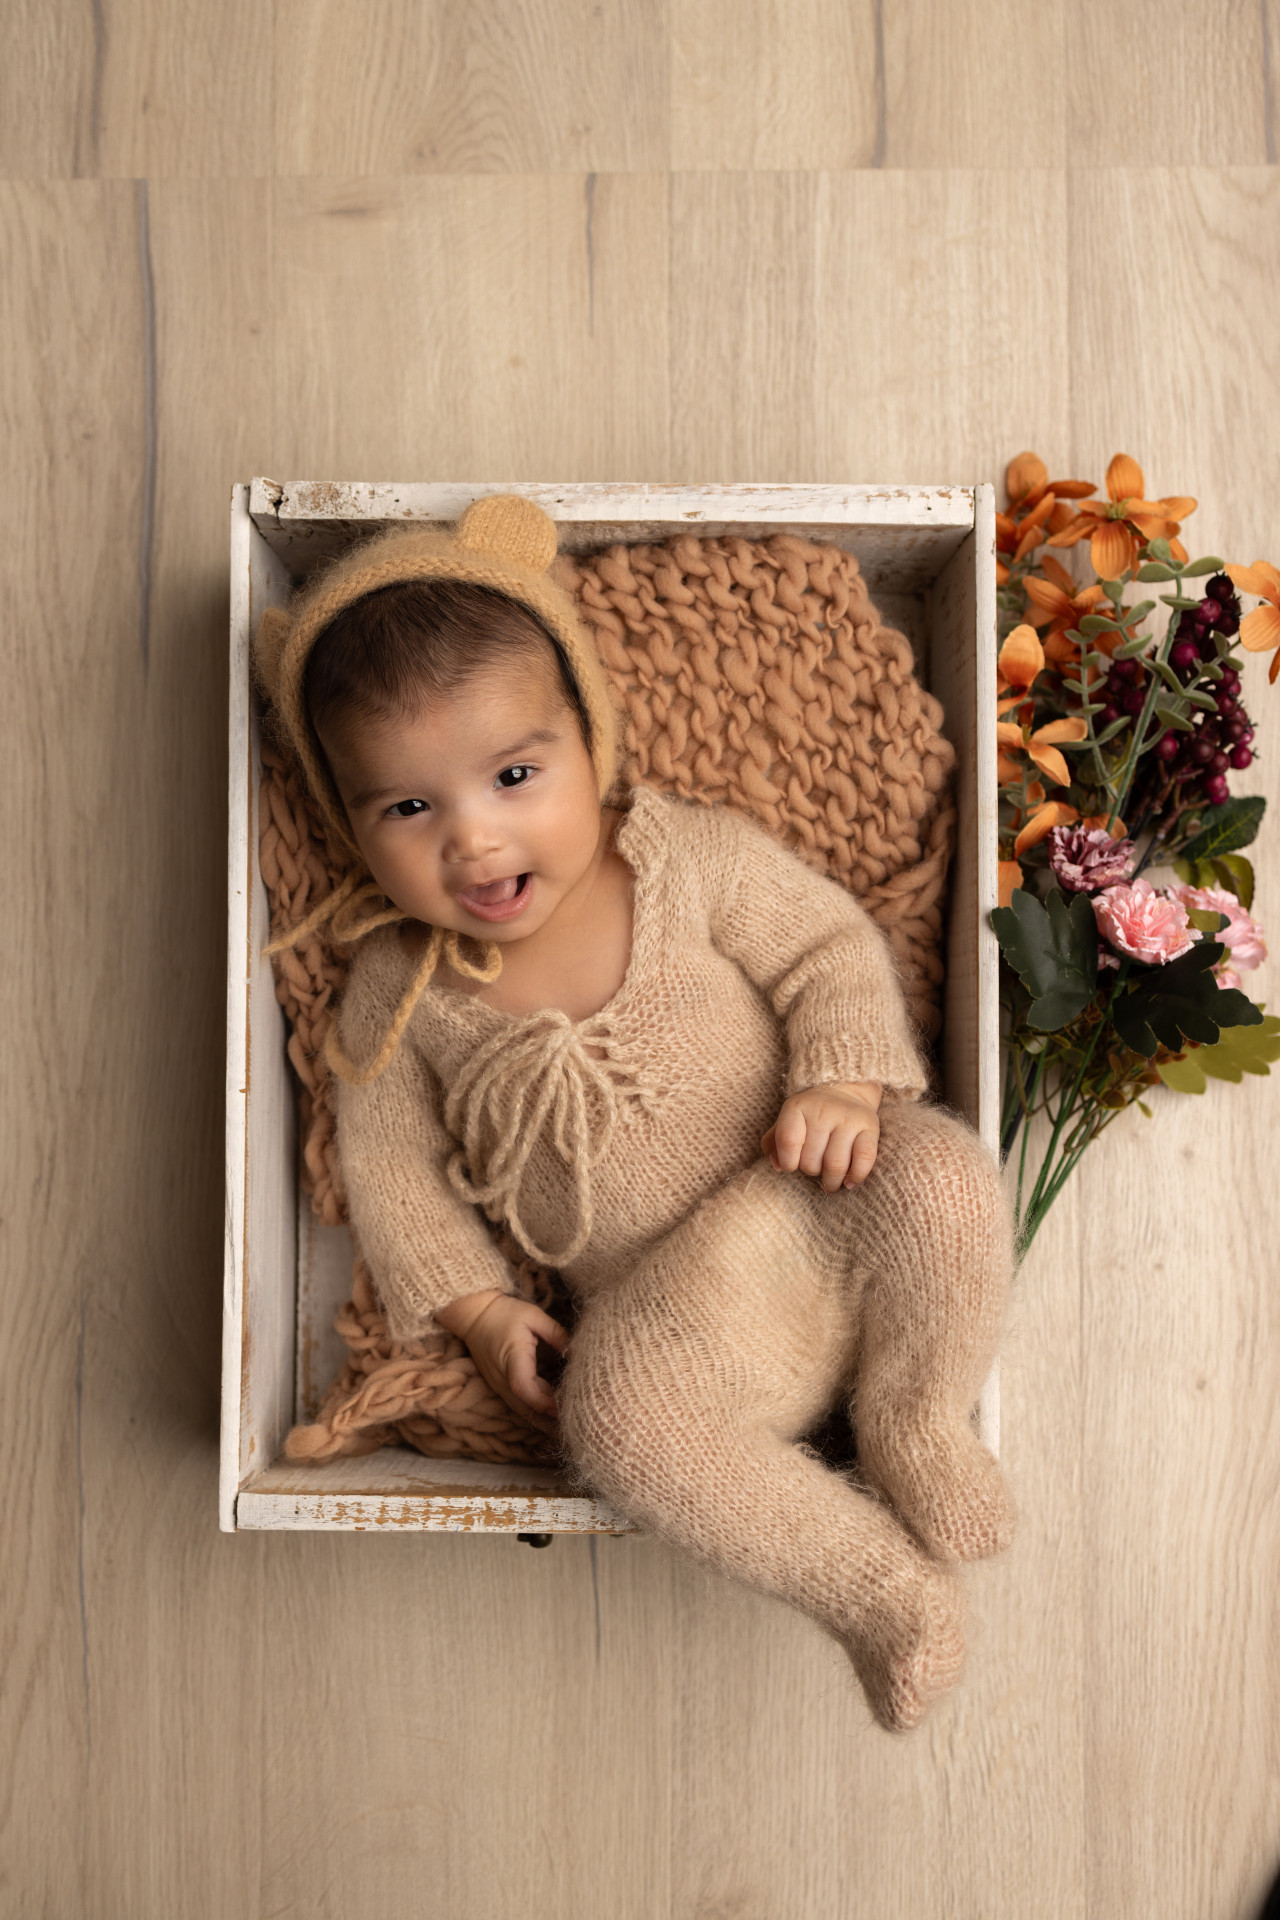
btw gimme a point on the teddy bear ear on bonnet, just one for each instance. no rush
(502, 541)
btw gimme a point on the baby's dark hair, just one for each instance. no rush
(391, 650)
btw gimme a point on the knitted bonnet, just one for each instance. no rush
(503, 542)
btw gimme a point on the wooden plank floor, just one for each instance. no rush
(868, 240)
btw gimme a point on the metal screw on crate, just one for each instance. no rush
(536, 1539)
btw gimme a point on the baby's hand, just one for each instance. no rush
(501, 1333)
(829, 1132)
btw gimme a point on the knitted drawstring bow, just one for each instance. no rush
(548, 1076)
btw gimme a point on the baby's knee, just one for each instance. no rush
(935, 1160)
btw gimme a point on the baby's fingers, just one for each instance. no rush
(837, 1160)
(817, 1144)
(789, 1139)
(549, 1330)
(527, 1383)
(863, 1157)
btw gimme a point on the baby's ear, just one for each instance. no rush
(510, 526)
(273, 631)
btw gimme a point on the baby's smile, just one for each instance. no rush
(498, 899)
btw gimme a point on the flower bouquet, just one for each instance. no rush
(1125, 920)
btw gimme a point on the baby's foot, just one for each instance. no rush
(912, 1651)
(949, 1490)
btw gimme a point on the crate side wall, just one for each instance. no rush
(259, 1378)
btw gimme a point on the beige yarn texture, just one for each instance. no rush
(755, 674)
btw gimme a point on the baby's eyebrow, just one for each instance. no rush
(542, 737)
(368, 795)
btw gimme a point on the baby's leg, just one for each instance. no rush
(687, 1385)
(933, 1227)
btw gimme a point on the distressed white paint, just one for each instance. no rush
(260, 1252)
(901, 535)
(285, 1275)
(961, 669)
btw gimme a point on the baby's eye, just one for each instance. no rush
(406, 809)
(514, 776)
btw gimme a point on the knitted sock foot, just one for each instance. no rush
(907, 1658)
(946, 1486)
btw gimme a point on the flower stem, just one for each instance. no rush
(1066, 1106)
(1130, 764)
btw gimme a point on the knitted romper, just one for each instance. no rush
(724, 1308)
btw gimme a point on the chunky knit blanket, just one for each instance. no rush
(751, 674)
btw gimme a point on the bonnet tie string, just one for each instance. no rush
(337, 908)
(513, 1090)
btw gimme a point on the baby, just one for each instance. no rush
(676, 1064)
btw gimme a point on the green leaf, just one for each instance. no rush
(1161, 549)
(1114, 589)
(1235, 873)
(1155, 570)
(1210, 563)
(1112, 728)
(1171, 717)
(1207, 919)
(1178, 600)
(1205, 700)
(1226, 828)
(1181, 1001)
(1097, 623)
(1237, 1051)
(1138, 612)
(1169, 675)
(1132, 648)
(1053, 948)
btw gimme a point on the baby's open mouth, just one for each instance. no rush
(498, 899)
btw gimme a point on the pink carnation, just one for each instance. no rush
(1143, 923)
(1243, 936)
(1084, 858)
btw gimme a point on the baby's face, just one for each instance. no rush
(482, 812)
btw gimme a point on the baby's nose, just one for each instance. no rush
(470, 840)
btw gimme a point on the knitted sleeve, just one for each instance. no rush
(818, 957)
(424, 1245)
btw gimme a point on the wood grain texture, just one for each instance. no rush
(520, 325)
(1179, 1327)
(363, 1728)
(775, 84)
(1182, 88)
(451, 86)
(1006, 104)
(131, 87)
(827, 325)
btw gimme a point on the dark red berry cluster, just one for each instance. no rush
(1218, 741)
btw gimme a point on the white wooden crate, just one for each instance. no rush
(928, 555)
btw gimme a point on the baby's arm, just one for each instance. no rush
(424, 1244)
(826, 970)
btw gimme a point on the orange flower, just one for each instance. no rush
(1010, 880)
(1054, 813)
(1040, 746)
(1260, 629)
(1037, 508)
(1117, 530)
(1055, 600)
(1020, 659)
